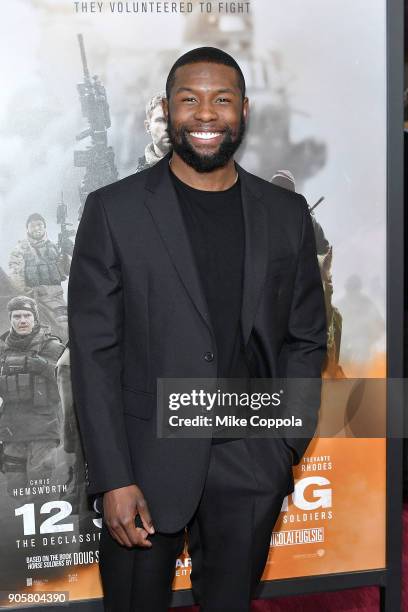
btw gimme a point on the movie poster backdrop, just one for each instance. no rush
(81, 109)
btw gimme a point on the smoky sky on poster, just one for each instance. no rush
(324, 93)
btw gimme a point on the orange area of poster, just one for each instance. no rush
(353, 521)
(342, 482)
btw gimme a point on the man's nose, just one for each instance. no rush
(205, 111)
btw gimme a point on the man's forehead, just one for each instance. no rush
(21, 312)
(206, 75)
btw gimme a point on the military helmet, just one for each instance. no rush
(285, 179)
(22, 302)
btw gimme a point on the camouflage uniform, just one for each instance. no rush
(148, 159)
(30, 423)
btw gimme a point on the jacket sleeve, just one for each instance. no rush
(305, 345)
(95, 319)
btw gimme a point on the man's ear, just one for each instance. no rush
(245, 108)
(147, 126)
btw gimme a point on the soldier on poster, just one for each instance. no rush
(285, 179)
(155, 125)
(37, 267)
(30, 422)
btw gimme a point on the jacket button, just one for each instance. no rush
(209, 356)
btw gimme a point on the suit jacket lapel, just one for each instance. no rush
(164, 207)
(256, 249)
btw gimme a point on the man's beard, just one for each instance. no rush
(163, 145)
(205, 163)
(35, 237)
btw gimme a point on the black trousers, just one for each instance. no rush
(228, 539)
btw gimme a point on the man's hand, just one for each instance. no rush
(36, 364)
(120, 507)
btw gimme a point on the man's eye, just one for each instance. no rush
(223, 100)
(189, 99)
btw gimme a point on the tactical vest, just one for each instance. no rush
(41, 266)
(17, 384)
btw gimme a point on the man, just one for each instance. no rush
(155, 125)
(37, 269)
(30, 424)
(162, 287)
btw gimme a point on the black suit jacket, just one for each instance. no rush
(137, 312)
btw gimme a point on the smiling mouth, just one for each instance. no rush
(205, 135)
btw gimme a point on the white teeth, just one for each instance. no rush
(205, 135)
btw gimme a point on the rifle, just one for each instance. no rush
(98, 158)
(2, 458)
(319, 201)
(65, 245)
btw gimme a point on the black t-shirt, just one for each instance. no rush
(215, 225)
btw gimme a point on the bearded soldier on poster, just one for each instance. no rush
(155, 125)
(37, 269)
(30, 423)
(191, 269)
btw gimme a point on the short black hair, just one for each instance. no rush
(212, 55)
